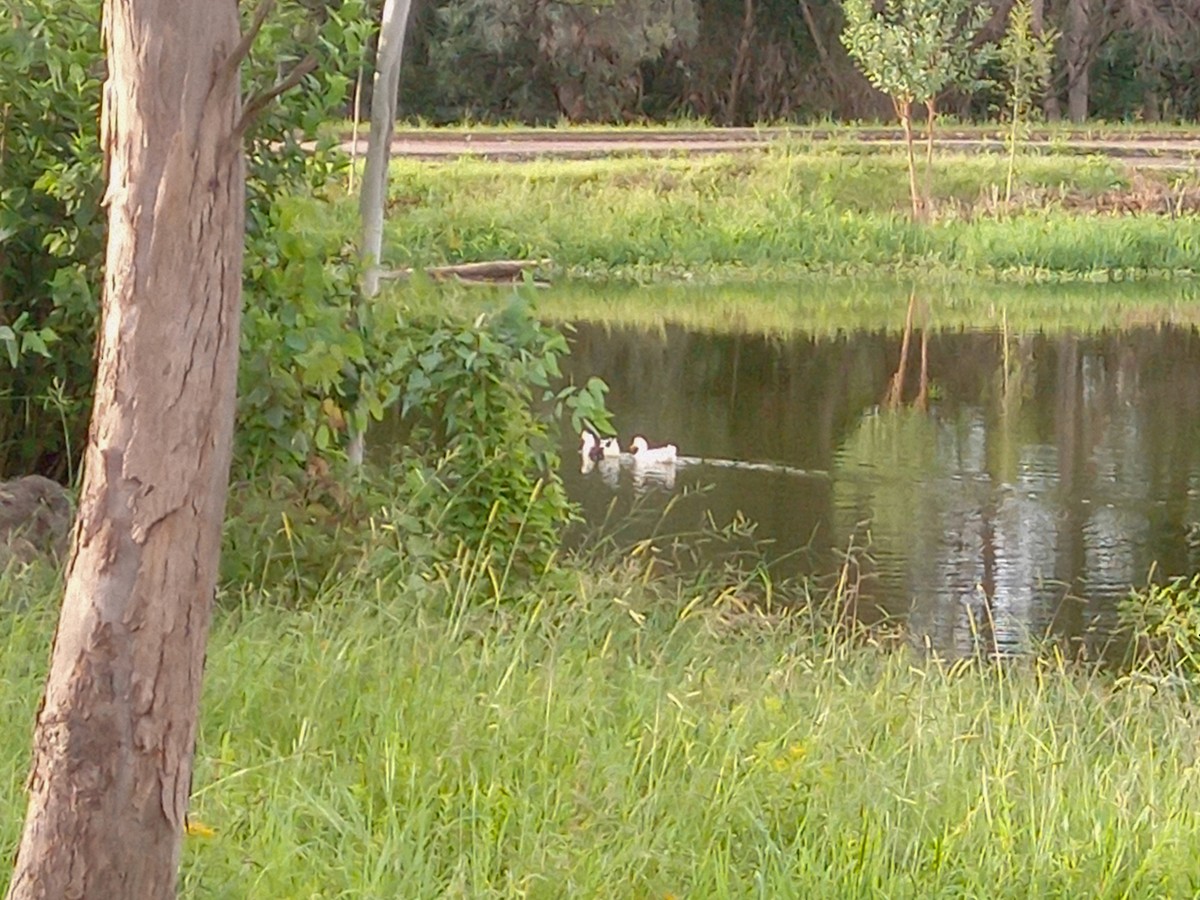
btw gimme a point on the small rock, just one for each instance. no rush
(35, 518)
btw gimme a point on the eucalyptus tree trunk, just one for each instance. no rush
(112, 758)
(373, 199)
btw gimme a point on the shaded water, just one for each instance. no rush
(1045, 477)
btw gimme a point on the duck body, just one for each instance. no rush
(645, 455)
(596, 448)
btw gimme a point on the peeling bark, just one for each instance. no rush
(114, 736)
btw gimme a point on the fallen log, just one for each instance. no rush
(497, 271)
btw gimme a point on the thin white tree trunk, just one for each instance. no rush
(113, 743)
(393, 26)
(392, 29)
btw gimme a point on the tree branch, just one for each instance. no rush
(242, 50)
(811, 22)
(258, 102)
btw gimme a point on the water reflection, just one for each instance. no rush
(1047, 475)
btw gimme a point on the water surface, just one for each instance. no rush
(1032, 481)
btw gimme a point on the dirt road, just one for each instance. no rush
(1172, 150)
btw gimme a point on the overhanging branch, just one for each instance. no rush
(258, 102)
(242, 50)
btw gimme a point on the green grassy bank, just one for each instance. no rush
(797, 209)
(605, 738)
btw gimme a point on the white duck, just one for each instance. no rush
(645, 455)
(595, 448)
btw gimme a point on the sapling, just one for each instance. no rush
(1026, 56)
(913, 51)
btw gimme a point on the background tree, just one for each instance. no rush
(582, 62)
(1126, 59)
(913, 50)
(114, 738)
(763, 61)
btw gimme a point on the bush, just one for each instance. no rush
(1164, 624)
(52, 226)
(51, 229)
(477, 402)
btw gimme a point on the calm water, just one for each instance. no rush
(1045, 476)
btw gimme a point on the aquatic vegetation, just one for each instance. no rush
(1164, 625)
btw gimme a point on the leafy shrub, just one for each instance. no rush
(52, 226)
(463, 463)
(477, 402)
(310, 362)
(1164, 624)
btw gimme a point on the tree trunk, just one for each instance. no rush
(1148, 74)
(112, 758)
(392, 28)
(930, 123)
(1078, 59)
(904, 113)
(741, 63)
(373, 199)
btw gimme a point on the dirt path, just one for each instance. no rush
(1149, 151)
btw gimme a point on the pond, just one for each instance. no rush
(1002, 486)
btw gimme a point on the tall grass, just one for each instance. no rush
(609, 737)
(782, 212)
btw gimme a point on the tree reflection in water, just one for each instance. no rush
(1047, 475)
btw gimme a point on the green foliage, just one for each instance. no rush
(51, 226)
(1164, 624)
(913, 50)
(578, 60)
(464, 410)
(307, 368)
(336, 36)
(477, 404)
(51, 222)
